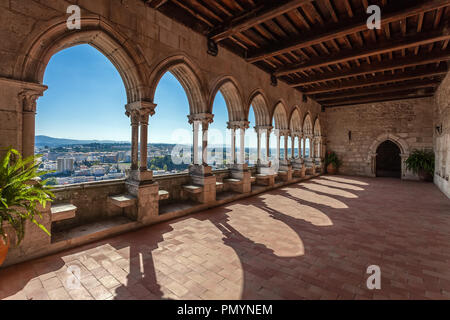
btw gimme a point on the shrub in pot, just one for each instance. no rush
(332, 162)
(21, 193)
(422, 164)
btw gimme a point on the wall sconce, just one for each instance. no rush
(213, 49)
(304, 98)
(273, 80)
(349, 135)
(439, 129)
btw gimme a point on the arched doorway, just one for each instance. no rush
(388, 161)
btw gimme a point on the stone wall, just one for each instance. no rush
(91, 200)
(409, 123)
(441, 141)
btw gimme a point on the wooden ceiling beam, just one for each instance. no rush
(391, 13)
(379, 67)
(323, 99)
(411, 75)
(254, 17)
(155, 4)
(386, 47)
(399, 96)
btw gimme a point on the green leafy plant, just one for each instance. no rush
(421, 160)
(20, 193)
(331, 157)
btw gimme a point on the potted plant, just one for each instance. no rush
(21, 191)
(332, 162)
(421, 163)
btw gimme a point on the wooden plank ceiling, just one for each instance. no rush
(323, 47)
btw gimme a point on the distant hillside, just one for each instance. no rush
(41, 141)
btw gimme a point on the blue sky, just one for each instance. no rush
(86, 100)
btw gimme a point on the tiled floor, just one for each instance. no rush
(310, 240)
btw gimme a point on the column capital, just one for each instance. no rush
(296, 133)
(262, 128)
(242, 124)
(204, 118)
(28, 98)
(139, 111)
(285, 132)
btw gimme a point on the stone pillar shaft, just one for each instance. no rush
(134, 144)
(286, 146)
(258, 147)
(292, 147)
(144, 143)
(195, 129)
(233, 145)
(278, 146)
(28, 133)
(242, 146)
(205, 143)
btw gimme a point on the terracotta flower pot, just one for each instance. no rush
(425, 176)
(4, 247)
(331, 169)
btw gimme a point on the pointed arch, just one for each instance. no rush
(229, 88)
(187, 74)
(280, 116)
(123, 54)
(260, 106)
(307, 125)
(295, 122)
(317, 128)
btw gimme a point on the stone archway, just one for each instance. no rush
(233, 98)
(388, 161)
(53, 37)
(404, 153)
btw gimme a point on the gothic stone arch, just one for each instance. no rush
(372, 155)
(188, 74)
(53, 37)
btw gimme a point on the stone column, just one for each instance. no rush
(242, 145)
(139, 113)
(147, 208)
(134, 141)
(286, 138)
(304, 147)
(278, 145)
(144, 141)
(258, 146)
(293, 146)
(268, 143)
(205, 126)
(233, 145)
(28, 99)
(195, 130)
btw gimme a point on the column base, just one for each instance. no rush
(202, 175)
(140, 184)
(140, 175)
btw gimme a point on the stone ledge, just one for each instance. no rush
(63, 211)
(192, 188)
(163, 195)
(123, 200)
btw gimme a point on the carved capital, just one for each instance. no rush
(238, 125)
(140, 111)
(284, 132)
(204, 118)
(28, 99)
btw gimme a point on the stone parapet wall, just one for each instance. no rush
(409, 123)
(91, 200)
